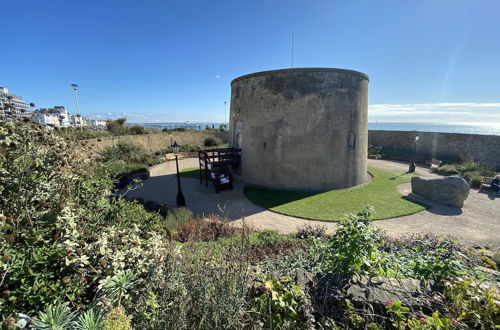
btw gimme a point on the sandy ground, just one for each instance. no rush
(477, 222)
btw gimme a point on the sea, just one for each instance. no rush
(465, 128)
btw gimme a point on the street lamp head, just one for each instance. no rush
(175, 147)
(417, 137)
(74, 86)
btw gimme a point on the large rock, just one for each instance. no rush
(450, 190)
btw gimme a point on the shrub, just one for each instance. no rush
(137, 130)
(178, 217)
(204, 229)
(375, 152)
(212, 142)
(116, 319)
(474, 304)
(311, 231)
(199, 287)
(469, 167)
(354, 248)
(475, 181)
(127, 152)
(447, 170)
(55, 317)
(179, 129)
(117, 127)
(44, 179)
(281, 304)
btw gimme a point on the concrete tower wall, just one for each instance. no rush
(301, 129)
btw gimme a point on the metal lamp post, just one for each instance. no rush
(413, 164)
(180, 197)
(75, 88)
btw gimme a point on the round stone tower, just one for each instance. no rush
(301, 129)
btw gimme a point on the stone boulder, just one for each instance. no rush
(450, 190)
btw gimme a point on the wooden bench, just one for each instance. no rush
(486, 184)
(433, 164)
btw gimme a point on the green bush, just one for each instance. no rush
(116, 319)
(475, 181)
(448, 170)
(53, 210)
(212, 142)
(137, 130)
(354, 248)
(280, 304)
(127, 152)
(178, 217)
(469, 167)
(375, 152)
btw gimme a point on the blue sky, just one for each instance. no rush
(428, 60)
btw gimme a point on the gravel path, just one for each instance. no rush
(477, 222)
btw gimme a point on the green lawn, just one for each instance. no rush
(332, 205)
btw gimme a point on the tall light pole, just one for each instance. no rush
(75, 88)
(225, 115)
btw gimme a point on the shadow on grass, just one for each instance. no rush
(270, 198)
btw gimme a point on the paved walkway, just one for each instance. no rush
(477, 222)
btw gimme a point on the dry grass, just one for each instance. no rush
(155, 142)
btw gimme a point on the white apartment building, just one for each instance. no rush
(12, 106)
(57, 116)
(97, 124)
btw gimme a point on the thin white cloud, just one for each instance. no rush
(436, 112)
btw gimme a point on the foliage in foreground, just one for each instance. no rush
(76, 258)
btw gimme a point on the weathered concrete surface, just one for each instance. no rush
(303, 129)
(444, 146)
(450, 190)
(155, 142)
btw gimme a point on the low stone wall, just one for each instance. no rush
(155, 142)
(444, 146)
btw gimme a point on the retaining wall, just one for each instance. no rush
(444, 146)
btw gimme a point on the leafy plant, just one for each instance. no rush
(311, 231)
(448, 170)
(212, 142)
(178, 217)
(116, 319)
(55, 317)
(279, 306)
(117, 286)
(469, 167)
(354, 248)
(90, 320)
(473, 303)
(398, 313)
(375, 152)
(127, 152)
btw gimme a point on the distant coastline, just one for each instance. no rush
(464, 128)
